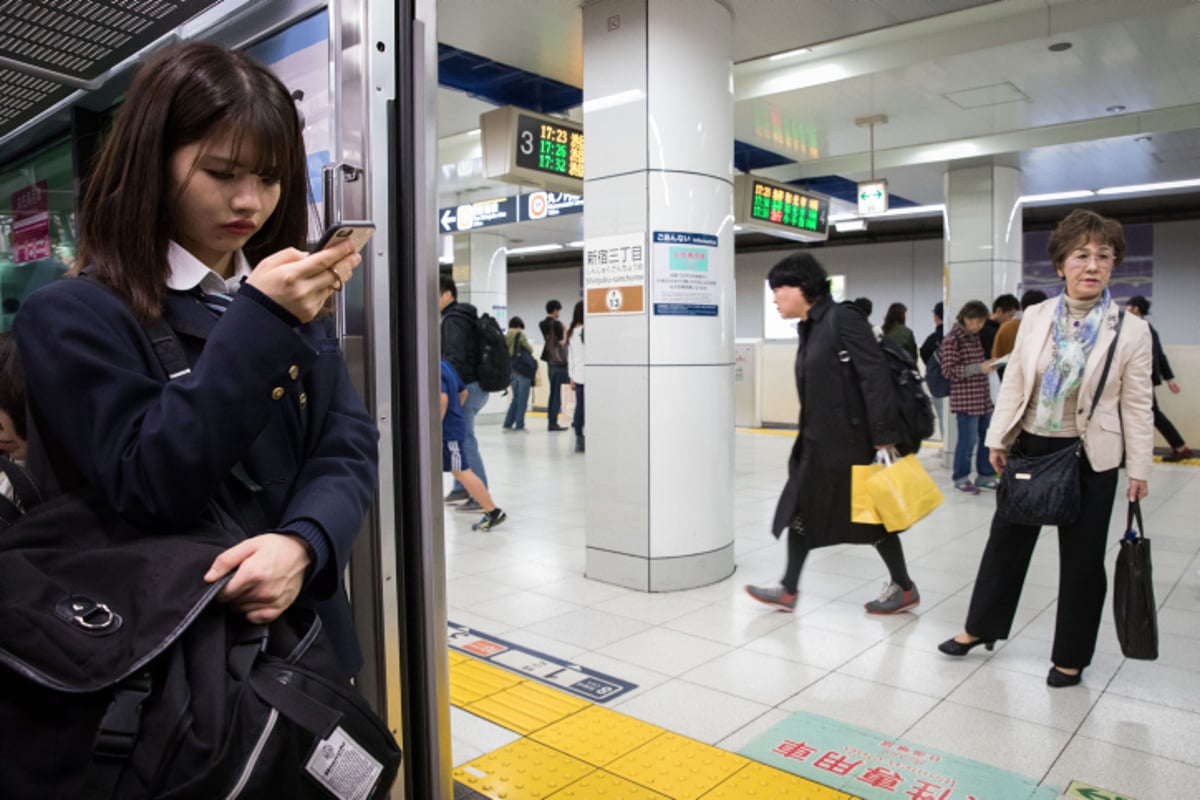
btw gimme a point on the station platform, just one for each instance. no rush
(564, 687)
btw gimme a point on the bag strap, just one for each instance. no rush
(1134, 513)
(24, 489)
(1112, 349)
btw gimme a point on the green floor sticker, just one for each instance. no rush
(867, 764)
(1086, 791)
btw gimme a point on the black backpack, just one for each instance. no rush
(495, 364)
(914, 409)
(935, 379)
(120, 677)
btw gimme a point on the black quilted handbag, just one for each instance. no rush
(1041, 490)
(1044, 490)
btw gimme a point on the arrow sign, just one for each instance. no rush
(1087, 792)
(447, 220)
(872, 197)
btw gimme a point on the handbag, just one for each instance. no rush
(902, 492)
(1134, 609)
(862, 507)
(1044, 490)
(523, 362)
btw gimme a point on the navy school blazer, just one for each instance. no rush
(263, 391)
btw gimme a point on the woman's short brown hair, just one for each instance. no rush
(1080, 227)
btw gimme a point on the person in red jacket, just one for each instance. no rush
(964, 365)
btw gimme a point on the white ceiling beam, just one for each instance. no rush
(1156, 121)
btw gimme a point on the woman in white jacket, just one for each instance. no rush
(575, 371)
(1045, 405)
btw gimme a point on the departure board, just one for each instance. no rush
(781, 208)
(549, 147)
(524, 147)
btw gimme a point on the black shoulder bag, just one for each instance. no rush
(1044, 490)
(120, 677)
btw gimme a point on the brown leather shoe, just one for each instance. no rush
(1178, 455)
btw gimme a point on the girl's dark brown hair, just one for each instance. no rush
(12, 383)
(1080, 227)
(897, 313)
(181, 95)
(972, 309)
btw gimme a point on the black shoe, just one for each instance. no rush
(557, 428)
(1057, 679)
(953, 647)
(456, 496)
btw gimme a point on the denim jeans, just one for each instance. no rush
(972, 429)
(577, 423)
(557, 375)
(515, 418)
(476, 398)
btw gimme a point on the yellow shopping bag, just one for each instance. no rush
(903, 493)
(862, 507)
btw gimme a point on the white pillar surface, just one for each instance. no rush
(983, 246)
(658, 119)
(481, 272)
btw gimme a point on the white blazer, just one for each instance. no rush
(575, 358)
(1124, 420)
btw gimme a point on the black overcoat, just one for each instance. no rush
(846, 409)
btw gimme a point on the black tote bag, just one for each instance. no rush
(1133, 592)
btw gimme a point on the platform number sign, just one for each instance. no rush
(549, 147)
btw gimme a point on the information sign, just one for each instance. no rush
(614, 274)
(685, 278)
(780, 209)
(872, 197)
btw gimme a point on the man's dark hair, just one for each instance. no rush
(516, 322)
(1006, 302)
(552, 306)
(1032, 298)
(802, 271)
(938, 309)
(1140, 303)
(447, 285)
(865, 304)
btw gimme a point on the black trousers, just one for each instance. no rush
(1082, 582)
(1165, 427)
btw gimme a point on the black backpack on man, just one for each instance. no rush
(495, 362)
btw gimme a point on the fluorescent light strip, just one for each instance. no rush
(790, 53)
(1051, 196)
(906, 211)
(537, 248)
(1149, 187)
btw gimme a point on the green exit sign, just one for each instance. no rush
(872, 197)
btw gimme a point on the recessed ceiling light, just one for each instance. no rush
(1059, 47)
(1115, 109)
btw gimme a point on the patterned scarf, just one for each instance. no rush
(1072, 345)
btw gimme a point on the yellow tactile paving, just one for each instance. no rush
(474, 680)
(526, 707)
(760, 782)
(597, 735)
(601, 785)
(682, 768)
(458, 658)
(523, 770)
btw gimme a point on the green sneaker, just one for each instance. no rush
(490, 520)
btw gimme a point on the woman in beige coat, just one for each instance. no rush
(1046, 396)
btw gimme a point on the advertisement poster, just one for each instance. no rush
(31, 223)
(685, 274)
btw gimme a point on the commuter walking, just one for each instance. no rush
(514, 419)
(460, 346)
(964, 366)
(196, 213)
(575, 358)
(846, 417)
(1161, 370)
(1056, 365)
(895, 329)
(554, 353)
(928, 347)
(454, 457)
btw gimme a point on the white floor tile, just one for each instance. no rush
(695, 711)
(1002, 741)
(665, 651)
(885, 709)
(755, 676)
(1123, 770)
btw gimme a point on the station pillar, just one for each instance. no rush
(983, 245)
(481, 271)
(658, 279)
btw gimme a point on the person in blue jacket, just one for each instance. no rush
(196, 212)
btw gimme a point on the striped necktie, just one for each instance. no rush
(215, 302)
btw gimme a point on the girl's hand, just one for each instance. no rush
(270, 573)
(303, 282)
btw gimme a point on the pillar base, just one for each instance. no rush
(660, 574)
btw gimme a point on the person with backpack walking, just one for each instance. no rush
(575, 361)
(847, 414)
(460, 346)
(554, 353)
(521, 352)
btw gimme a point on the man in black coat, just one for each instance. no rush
(554, 353)
(460, 346)
(1161, 370)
